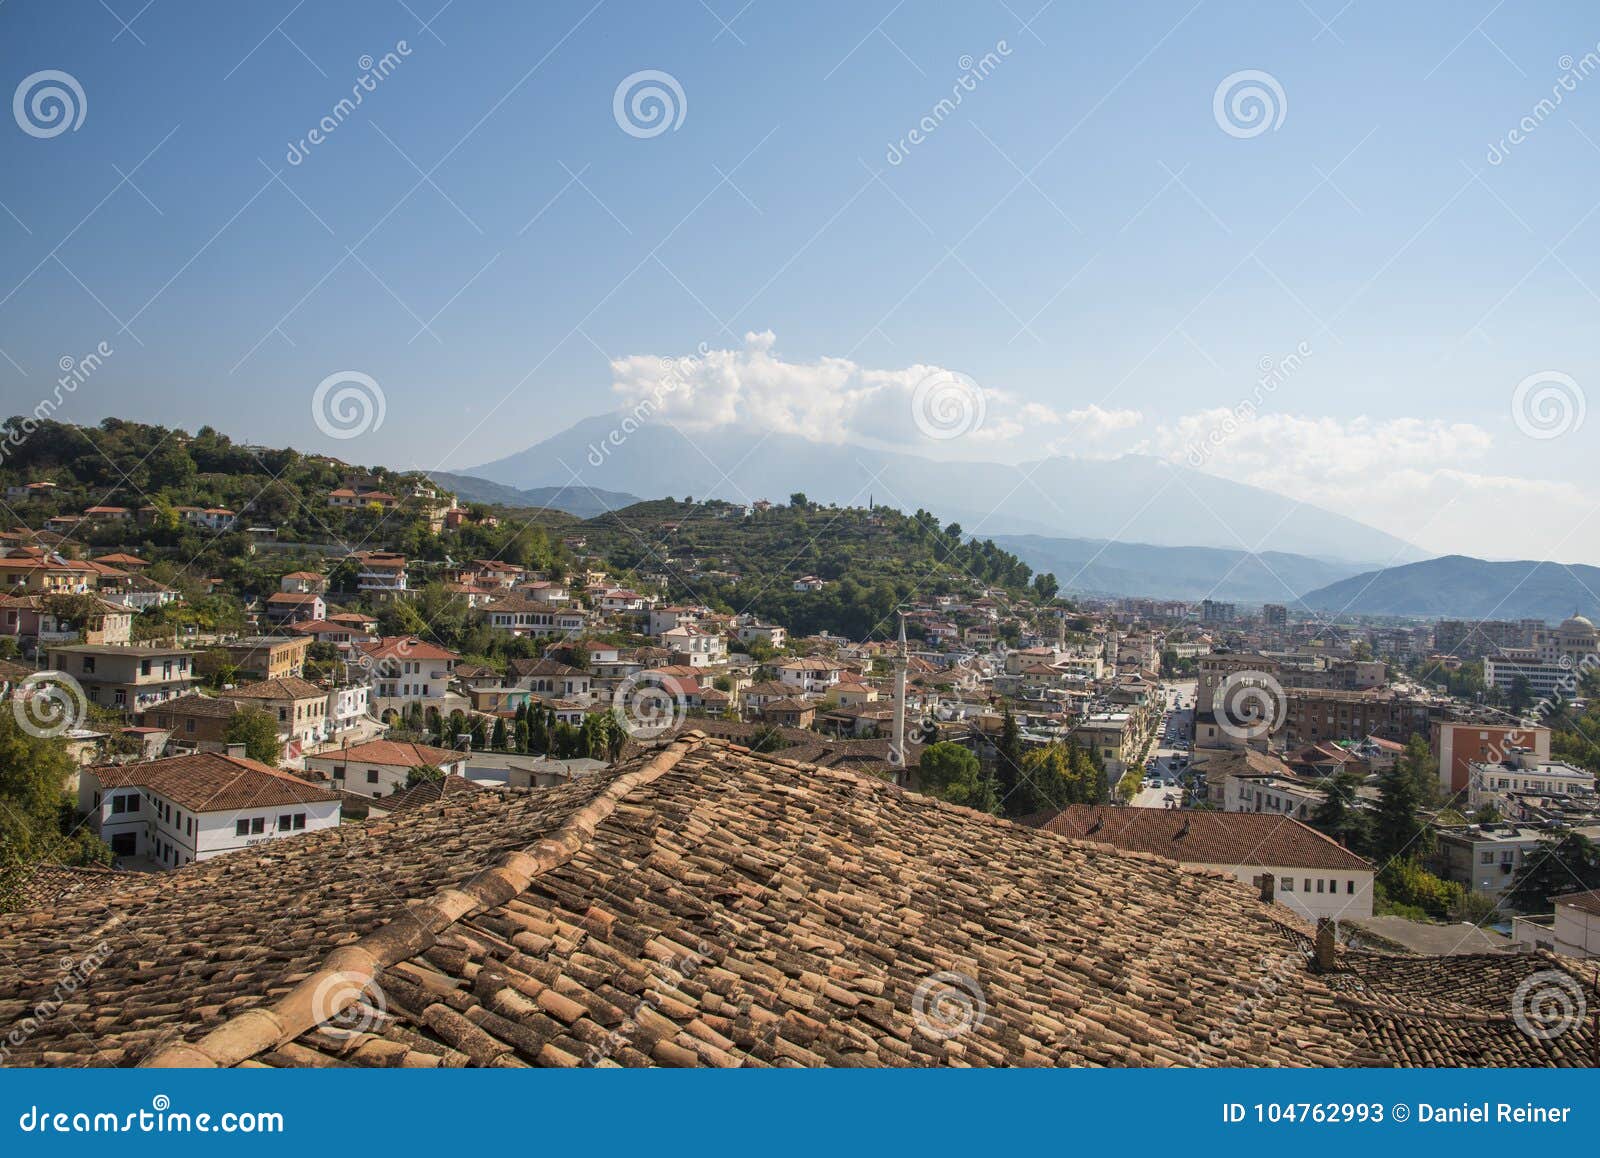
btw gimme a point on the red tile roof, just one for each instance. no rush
(1209, 838)
(212, 782)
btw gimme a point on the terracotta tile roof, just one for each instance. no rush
(400, 647)
(1213, 838)
(1586, 902)
(393, 753)
(286, 688)
(703, 905)
(518, 668)
(195, 704)
(426, 793)
(212, 782)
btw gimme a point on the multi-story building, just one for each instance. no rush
(1311, 715)
(126, 678)
(187, 808)
(381, 574)
(1484, 858)
(1212, 611)
(1274, 615)
(267, 657)
(1459, 744)
(1520, 772)
(522, 615)
(403, 670)
(695, 647)
(299, 708)
(1474, 639)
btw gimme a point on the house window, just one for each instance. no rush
(372, 775)
(1350, 888)
(128, 803)
(1319, 886)
(88, 664)
(338, 773)
(299, 821)
(1486, 858)
(1308, 884)
(258, 826)
(1288, 884)
(241, 828)
(283, 823)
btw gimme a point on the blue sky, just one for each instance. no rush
(1080, 236)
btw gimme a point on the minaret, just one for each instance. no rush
(897, 746)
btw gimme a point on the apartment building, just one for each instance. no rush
(126, 678)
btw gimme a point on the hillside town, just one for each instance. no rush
(1424, 789)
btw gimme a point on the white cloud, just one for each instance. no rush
(1425, 481)
(1438, 484)
(836, 400)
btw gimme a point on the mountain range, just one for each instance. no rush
(585, 502)
(1131, 498)
(1460, 586)
(1101, 567)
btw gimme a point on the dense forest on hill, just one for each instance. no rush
(870, 560)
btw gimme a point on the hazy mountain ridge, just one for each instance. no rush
(1129, 499)
(585, 502)
(1459, 586)
(1098, 566)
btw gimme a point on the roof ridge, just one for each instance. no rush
(347, 971)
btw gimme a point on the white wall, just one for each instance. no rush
(1310, 904)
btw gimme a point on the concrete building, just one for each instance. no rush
(127, 679)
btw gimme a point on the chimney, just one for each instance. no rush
(1267, 883)
(1325, 952)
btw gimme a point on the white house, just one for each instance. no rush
(767, 633)
(548, 678)
(700, 648)
(1573, 929)
(522, 615)
(403, 670)
(1311, 874)
(195, 807)
(813, 676)
(381, 767)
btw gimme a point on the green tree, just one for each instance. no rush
(497, 738)
(1398, 831)
(423, 774)
(1568, 863)
(1045, 586)
(1338, 816)
(37, 821)
(1008, 761)
(258, 732)
(951, 772)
